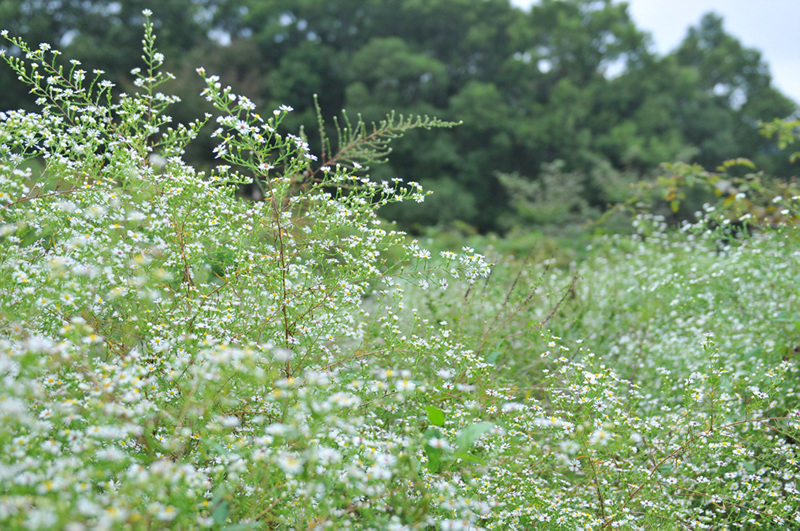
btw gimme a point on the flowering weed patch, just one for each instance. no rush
(174, 357)
(661, 386)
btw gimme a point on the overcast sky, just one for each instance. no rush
(770, 26)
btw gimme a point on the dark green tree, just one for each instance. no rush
(736, 94)
(570, 84)
(105, 35)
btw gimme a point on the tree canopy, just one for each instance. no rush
(570, 83)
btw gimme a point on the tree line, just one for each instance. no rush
(567, 101)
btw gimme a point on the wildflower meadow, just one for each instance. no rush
(173, 356)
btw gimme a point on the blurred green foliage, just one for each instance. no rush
(563, 106)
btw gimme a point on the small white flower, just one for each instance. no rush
(283, 355)
(290, 464)
(405, 385)
(600, 436)
(436, 442)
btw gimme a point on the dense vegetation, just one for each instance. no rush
(174, 356)
(568, 98)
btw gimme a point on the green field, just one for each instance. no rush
(172, 356)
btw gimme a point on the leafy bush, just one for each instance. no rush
(172, 356)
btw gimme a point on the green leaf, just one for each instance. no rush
(221, 513)
(467, 457)
(434, 458)
(435, 415)
(470, 434)
(431, 433)
(434, 454)
(221, 506)
(491, 359)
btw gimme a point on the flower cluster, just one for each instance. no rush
(172, 356)
(172, 348)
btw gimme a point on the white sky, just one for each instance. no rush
(770, 26)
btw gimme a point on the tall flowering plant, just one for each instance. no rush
(172, 356)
